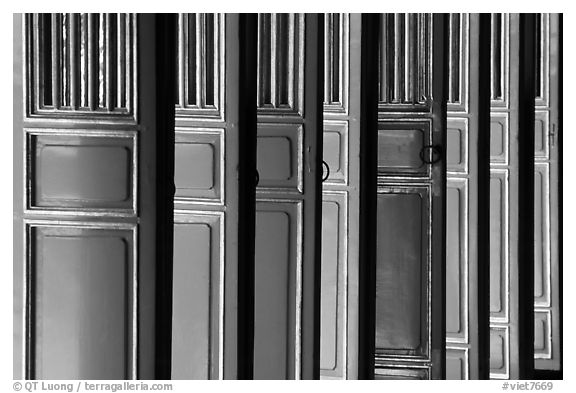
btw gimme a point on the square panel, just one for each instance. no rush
(335, 153)
(199, 165)
(541, 132)
(457, 145)
(542, 334)
(280, 157)
(499, 138)
(457, 363)
(402, 148)
(499, 352)
(81, 172)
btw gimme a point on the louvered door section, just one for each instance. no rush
(410, 214)
(340, 198)
(546, 199)
(206, 200)
(463, 286)
(89, 184)
(287, 212)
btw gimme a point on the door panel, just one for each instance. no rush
(411, 179)
(503, 194)
(90, 121)
(465, 225)
(287, 212)
(206, 200)
(86, 328)
(197, 288)
(401, 271)
(547, 339)
(340, 197)
(278, 285)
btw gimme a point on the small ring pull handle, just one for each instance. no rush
(435, 154)
(257, 177)
(325, 177)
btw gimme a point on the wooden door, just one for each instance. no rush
(410, 198)
(207, 225)
(466, 193)
(547, 340)
(340, 197)
(288, 209)
(86, 141)
(511, 196)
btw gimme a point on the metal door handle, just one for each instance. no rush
(325, 177)
(434, 156)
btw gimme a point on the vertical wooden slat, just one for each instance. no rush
(410, 54)
(84, 81)
(384, 58)
(199, 86)
(336, 85)
(208, 61)
(92, 60)
(102, 60)
(182, 61)
(56, 60)
(121, 79)
(291, 57)
(328, 20)
(64, 60)
(109, 61)
(74, 60)
(398, 57)
(36, 53)
(273, 59)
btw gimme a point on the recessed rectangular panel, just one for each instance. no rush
(70, 171)
(499, 138)
(198, 165)
(455, 261)
(276, 264)
(541, 235)
(542, 334)
(279, 156)
(457, 145)
(195, 297)
(499, 355)
(541, 132)
(401, 271)
(401, 373)
(332, 308)
(335, 153)
(456, 363)
(399, 147)
(82, 318)
(498, 245)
